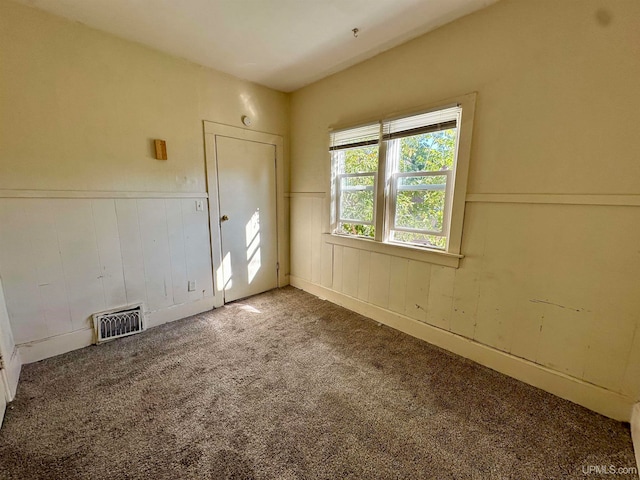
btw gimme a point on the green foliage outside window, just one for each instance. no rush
(429, 152)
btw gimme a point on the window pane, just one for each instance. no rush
(357, 206)
(356, 198)
(419, 239)
(420, 202)
(357, 160)
(428, 152)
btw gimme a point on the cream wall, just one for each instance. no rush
(90, 220)
(548, 288)
(80, 108)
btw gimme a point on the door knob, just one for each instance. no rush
(224, 218)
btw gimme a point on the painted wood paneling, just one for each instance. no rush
(326, 265)
(197, 249)
(80, 260)
(466, 288)
(131, 250)
(177, 253)
(307, 248)
(502, 281)
(62, 260)
(379, 279)
(440, 296)
(563, 343)
(19, 273)
(338, 268)
(316, 239)
(155, 250)
(109, 254)
(417, 297)
(53, 300)
(609, 350)
(350, 261)
(301, 212)
(398, 284)
(611, 297)
(364, 263)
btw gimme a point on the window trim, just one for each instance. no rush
(404, 250)
(452, 254)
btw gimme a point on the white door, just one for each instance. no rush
(248, 228)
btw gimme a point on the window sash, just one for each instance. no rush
(356, 188)
(394, 188)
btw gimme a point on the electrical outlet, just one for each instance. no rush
(199, 205)
(191, 286)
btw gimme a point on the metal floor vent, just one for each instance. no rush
(118, 323)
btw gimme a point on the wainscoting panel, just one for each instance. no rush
(62, 259)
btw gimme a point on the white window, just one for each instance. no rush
(355, 155)
(402, 181)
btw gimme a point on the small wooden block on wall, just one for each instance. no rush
(161, 149)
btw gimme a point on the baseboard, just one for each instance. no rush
(50, 347)
(605, 402)
(176, 312)
(12, 374)
(635, 432)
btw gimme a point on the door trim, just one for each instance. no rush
(211, 131)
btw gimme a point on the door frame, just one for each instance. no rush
(211, 131)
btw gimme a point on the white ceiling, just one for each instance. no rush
(283, 44)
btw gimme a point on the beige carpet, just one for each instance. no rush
(284, 386)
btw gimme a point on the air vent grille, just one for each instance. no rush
(118, 323)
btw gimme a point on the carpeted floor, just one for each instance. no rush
(286, 386)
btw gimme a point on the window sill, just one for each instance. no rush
(404, 251)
